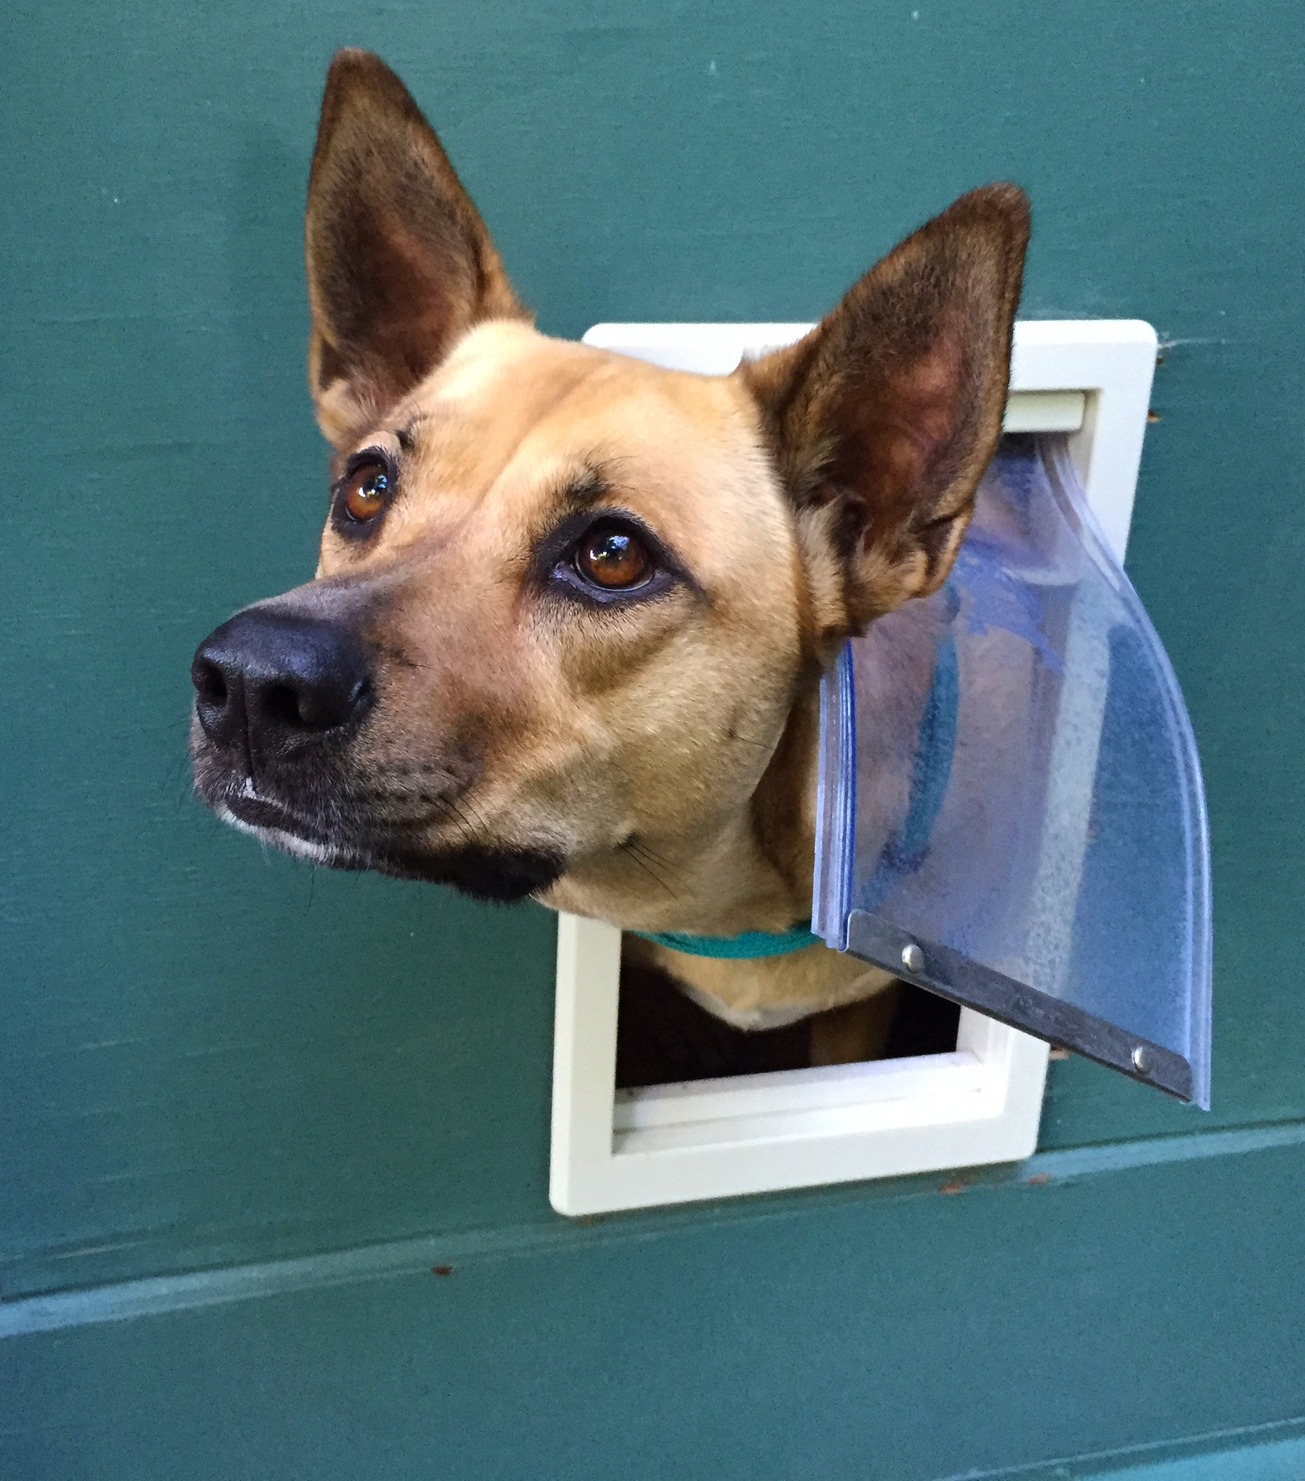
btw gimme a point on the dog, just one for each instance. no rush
(571, 611)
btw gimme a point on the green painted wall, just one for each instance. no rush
(322, 1085)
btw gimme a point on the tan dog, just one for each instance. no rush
(571, 610)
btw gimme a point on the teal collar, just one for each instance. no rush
(746, 947)
(904, 853)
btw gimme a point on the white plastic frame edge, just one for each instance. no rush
(762, 1133)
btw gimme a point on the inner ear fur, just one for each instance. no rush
(400, 264)
(883, 418)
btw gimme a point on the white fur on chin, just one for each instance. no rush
(302, 848)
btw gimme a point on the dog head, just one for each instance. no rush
(566, 601)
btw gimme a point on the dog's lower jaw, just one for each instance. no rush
(719, 884)
(491, 875)
(289, 843)
(499, 875)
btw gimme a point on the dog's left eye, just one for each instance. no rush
(612, 557)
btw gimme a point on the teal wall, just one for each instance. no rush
(312, 1088)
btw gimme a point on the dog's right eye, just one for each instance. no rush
(613, 557)
(366, 490)
(610, 559)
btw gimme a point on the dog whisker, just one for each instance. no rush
(638, 854)
(747, 740)
(479, 812)
(639, 863)
(649, 853)
(451, 809)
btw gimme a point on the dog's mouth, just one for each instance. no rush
(275, 823)
(485, 872)
(286, 695)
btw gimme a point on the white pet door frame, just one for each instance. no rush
(980, 1103)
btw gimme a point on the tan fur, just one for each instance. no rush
(399, 261)
(665, 748)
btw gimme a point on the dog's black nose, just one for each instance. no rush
(279, 677)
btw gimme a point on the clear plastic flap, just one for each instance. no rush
(1011, 808)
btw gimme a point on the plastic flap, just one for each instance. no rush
(1011, 808)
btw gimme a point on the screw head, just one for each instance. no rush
(1141, 1060)
(912, 957)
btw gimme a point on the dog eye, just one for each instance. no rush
(613, 557)
(365, 490)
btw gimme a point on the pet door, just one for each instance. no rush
(1080, 690)
(1011, 811)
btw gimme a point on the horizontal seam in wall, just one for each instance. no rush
(1103, 1465)
(153, 1295)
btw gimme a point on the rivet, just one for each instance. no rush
(912, 957)
(1141, 1060)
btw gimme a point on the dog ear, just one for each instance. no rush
(883, 418)
(400, 264)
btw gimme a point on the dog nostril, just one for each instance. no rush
(310, 704)
(277, 678)
(210, 683)
(288, 705)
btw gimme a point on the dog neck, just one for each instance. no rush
(749, 869)
(753, 869)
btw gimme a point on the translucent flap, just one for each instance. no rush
(1011, 809)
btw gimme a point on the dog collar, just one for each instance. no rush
(746, 947)
(905, 852)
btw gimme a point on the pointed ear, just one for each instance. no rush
(399, 262)
(883, 418)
